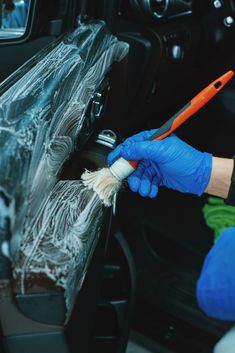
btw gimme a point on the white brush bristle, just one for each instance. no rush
(104, 183)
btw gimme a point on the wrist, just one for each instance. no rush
(220, 179)
(230, 200)
(203, 173)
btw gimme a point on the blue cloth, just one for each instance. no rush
(216, 285)
(18, 17)
(170, 162)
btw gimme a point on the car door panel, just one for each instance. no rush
(50, 103)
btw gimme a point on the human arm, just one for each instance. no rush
(174, 164)
(220, 180)
(216, 285)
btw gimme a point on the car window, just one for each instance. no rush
(13, 18)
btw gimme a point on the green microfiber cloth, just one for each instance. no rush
(218, 216)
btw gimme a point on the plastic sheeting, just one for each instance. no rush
(53, 225)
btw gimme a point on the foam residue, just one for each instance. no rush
(7, 217)
(62, 237)
(41, 116)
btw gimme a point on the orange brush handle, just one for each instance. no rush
(189, 109)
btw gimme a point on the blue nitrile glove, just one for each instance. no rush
(216, 285)
(169, 162)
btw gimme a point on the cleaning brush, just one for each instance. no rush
(106, 182)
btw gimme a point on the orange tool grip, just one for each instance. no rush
(189, 109)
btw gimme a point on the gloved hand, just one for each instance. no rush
(216, 285)
(169, 162)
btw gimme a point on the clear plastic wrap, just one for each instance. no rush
(53, 224)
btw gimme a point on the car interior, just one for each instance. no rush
(135, 289)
